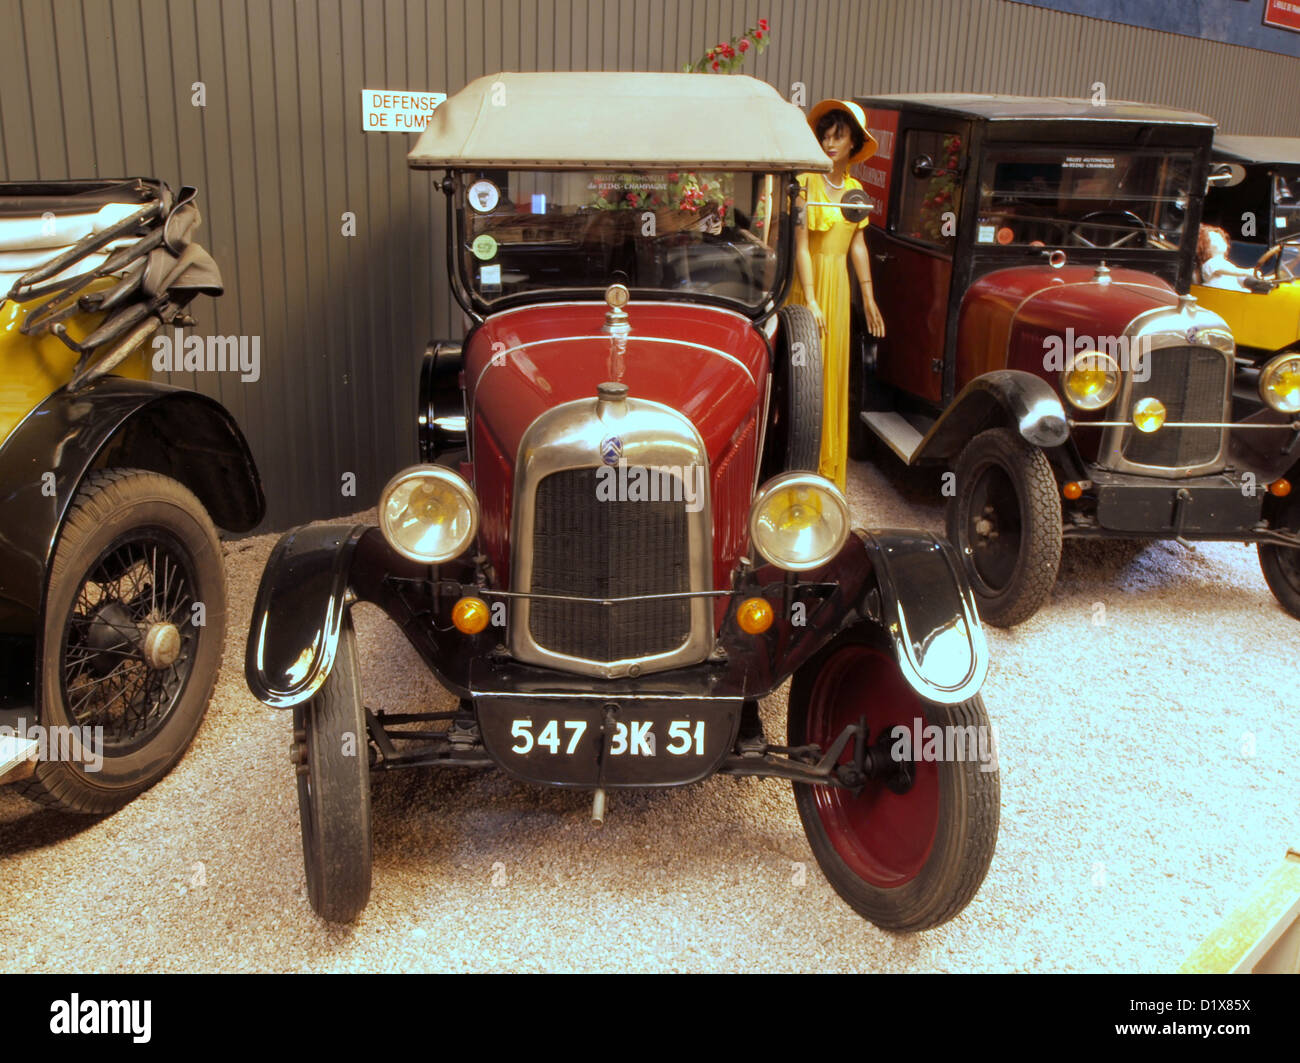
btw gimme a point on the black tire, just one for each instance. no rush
(333, 756)
(1005, 521)
(1281, 568)
(1281, 564)
(797, 393)
(907, 858)
(108, 630)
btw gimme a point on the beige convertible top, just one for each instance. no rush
(558, 120)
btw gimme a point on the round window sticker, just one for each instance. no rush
(483, 196)
(484, 247)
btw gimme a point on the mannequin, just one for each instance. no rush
(823, 240)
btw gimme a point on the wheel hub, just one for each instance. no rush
(161, 645)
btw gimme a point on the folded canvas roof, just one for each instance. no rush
(558, 120)
(1285, 150)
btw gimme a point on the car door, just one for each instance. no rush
(912, 254)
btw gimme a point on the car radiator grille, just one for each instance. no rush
(589, 548)
(1192, 383)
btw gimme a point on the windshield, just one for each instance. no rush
(671, 232)
(1068, 198)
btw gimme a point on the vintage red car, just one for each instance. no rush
(612, 548)
(1031, 259)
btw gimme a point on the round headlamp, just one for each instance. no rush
(1279, 383)
(1149, 415)
(428, 513)
(799, 521)
(1090, 380)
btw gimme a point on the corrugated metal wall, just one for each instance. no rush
(104, 88)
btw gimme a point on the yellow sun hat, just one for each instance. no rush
(869, 145)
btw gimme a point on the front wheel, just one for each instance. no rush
(1281, 568)
(333, 758)
(1005, 521)
(134, 622)
(909, 852)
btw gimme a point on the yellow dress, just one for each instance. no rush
(829, 236)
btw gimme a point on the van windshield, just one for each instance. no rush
(1059, 197)
(659, 232)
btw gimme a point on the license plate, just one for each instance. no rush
(641, 742)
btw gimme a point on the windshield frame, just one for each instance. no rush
(479, 309)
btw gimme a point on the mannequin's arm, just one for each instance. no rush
(862, 267)
(803, 262)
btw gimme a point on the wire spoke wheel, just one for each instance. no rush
(128, 647)
(129, 659)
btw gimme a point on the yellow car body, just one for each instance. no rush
(1264, 321)
(33, 367)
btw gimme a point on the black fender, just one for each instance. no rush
(113, 421)
(909, 584)
(442, 402)
(1003, 397)
(298, 612)
(924, 602)
(317, 572)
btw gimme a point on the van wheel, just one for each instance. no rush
(128, 659)
(1005, 521)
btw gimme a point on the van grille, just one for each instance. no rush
(1192, 383)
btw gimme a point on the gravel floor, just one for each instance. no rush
(1145, 742)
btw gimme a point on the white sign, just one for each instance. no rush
(385, 111)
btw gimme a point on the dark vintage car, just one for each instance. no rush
(611, 548)
(112, 594)
(1031, 259)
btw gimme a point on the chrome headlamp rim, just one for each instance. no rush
(810, 480)
(1271, 368)
(446, 476)
(1113, 374)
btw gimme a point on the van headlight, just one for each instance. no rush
(799, 521)
(428, 513)
(1090, 380)
(1279, 383)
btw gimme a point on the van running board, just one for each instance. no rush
(17, 758)
(897, 433)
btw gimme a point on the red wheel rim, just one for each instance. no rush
(884, 837)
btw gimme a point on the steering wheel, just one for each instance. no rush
(1276, 252)
(1102, 221)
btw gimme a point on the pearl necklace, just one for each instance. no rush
(832, 184)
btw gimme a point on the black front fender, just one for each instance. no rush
(1005, 396)
(926, 607)
(909, 584)
(114, 421)
(299, 611)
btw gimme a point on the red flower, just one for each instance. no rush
(744, 44)
(672, 177)
(762, 23)
(758, 36)
(728, 51)
(715, 64)
(633, 198)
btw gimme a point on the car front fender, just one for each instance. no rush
(298, 612)
(1005, 396)
(925, 604)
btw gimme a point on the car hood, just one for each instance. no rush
(707, 363)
